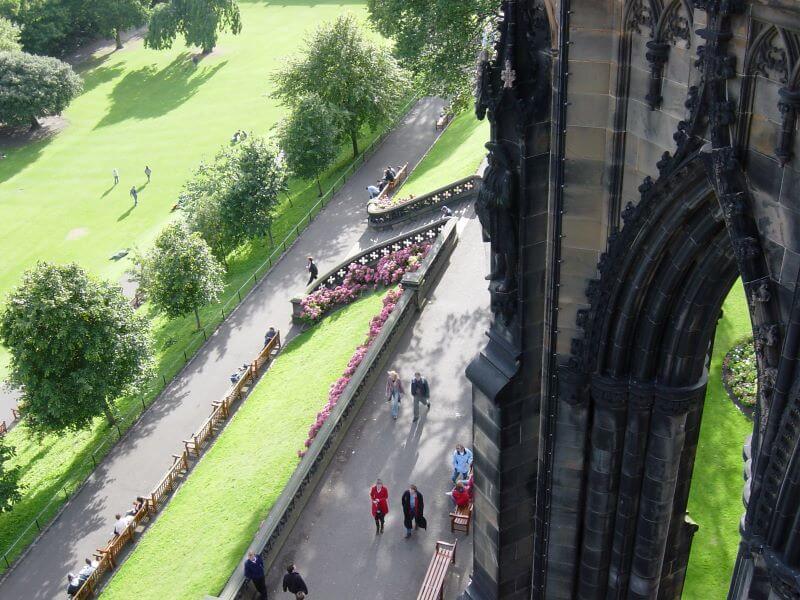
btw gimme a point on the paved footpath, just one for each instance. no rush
(140, 459)
(334, 544)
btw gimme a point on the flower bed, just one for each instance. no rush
(740, 375)
(389, 270)
(375, 326)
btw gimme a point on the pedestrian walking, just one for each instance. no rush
(462, 461)
(421, 392)
(254, 571)
(379, 495)
(148, 172)
(135, 196)
(394, 389)
(115, 172)
(293, 582)
(413, 510)
(311, 267)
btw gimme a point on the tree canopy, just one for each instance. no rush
(437, 40)
(34, 86)
(9, 479)
(112, 17)
(199, 21)
(310, 137)
(76, 345)
(180, 274)
(233, 198)
(9, 36)
(348, 71)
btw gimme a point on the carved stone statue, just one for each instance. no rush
(497, 214)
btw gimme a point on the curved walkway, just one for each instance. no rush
(139, 460)
(334, 544)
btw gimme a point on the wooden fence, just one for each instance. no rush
(107, 557)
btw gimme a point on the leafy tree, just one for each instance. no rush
(438, 40)
(199, 21)
(180, 274)
(9, 479)
(9, 36)
(349, 72)
(310, 137)
(112, 17)
(233, 199)
(34, 86)
(76, 345)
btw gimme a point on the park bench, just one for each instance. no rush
(460, 519)
(398, 179)
(433, 585)
(3, 428)
(16, 413)
(442, 122)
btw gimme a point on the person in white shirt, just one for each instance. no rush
(373, 191)
(122, 523)
(87, 570)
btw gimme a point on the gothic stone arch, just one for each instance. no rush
(588, 396)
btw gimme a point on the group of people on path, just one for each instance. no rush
(121, 523)
(134, 193)
(413, 502)
(292, 581)
(389, 175)
(420, 392)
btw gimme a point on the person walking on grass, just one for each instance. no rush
(394, 389)
(293, 582)
(421, 392)
(135, 196)
(311, 267)
(254, 571)
(413, 510)
(379, 497)
(148, 172)
(115, 173)
(462, 461)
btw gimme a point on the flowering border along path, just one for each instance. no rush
(215, 513)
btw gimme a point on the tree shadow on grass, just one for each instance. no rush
(148, 92)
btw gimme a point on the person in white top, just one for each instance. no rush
(87, 569)
(122, 523)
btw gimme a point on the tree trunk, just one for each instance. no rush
(118, 39)
(197, 318)
(354, 139)
(319, 185)
(112, 420)
(269, 233)
(35, 123)
(207, 51)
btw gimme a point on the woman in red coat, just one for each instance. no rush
(379, 495)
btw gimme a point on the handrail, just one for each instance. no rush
(225, 310)
(180, 464)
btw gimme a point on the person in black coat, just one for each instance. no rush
(413, 510)
(254, 571)
(311, 267)
(293, 582)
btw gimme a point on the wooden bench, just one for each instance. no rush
(460, 519)
(16, 413)
(433, 585)
(3, 428)
(442, 122)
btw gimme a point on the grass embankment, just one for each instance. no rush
(139, 107)
(456, 154)
(214, 515)
(715, 501)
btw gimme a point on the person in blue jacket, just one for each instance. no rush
(462, 461)
(254, 571)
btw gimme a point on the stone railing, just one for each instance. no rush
(285, 512)
(463, 189)
(369, 257)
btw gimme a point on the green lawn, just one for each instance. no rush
(456, 154)
(57, 202)
(715, 499)
(214, 515)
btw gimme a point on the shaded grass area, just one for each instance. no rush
(457, 153)
(715, 498)
(214, 515)
(57, 203)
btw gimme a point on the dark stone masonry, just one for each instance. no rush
(643, 156)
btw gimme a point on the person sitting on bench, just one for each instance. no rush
(460, 495)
